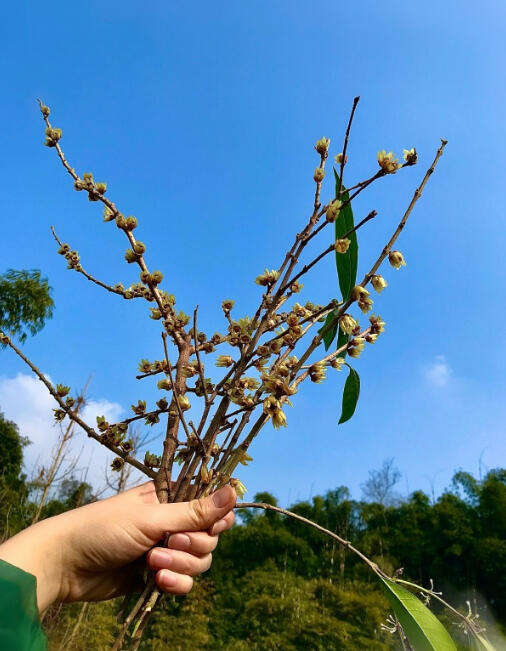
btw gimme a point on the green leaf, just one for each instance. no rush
(422, 628)
(330, 334)
(342, 339)
(346, 263)
(350, 395)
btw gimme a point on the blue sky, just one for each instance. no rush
(202, 118)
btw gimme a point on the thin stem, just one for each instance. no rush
(345, 543)
(77, 419)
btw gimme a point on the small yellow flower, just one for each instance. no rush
(365, 304)
(377, 324)
(279, 419)
(347, 324)
(224, 361)
(378, 282)
(322, 145)
(355, 350)
(396, 259)
(410, 156)
(359, 292)
(388, 163)
(317, 372)
(341, 246)
(339, 159)
(267, 278)
(239, 487)
(337, 363)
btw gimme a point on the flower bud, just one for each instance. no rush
(62, 390)
(410, 156)
(139, 247)
(239, 487)
(44, 110)
(184, 403)
(108, 214)
(332, 211)
(339, 159)
(101, 188)
(130, 256)
(227, 305)
(342, 246)
(396, 259)
(319, 174)
(130, 223)
(224, 361)
(117, 464)
(378, 282)
(322, 146)
(164, 385)
(156, 277)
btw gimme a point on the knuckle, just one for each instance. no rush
(198, 512)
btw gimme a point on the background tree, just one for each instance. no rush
(25, 302)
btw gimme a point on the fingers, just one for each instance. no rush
(201, 542)
(173, 583)
(160, 558)
(223, 524)
(196, 515)
(175, 568)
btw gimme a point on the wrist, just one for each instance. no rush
(39, 551)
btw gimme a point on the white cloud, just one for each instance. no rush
(26, 401)
(438, 372)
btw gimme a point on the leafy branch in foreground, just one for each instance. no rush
(413, 620)
(265, 358)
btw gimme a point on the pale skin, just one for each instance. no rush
(99, 551)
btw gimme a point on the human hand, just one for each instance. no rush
(96, 552)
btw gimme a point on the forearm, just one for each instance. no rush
(39, 550)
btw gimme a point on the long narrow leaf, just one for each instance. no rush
(330, 334)
(342, 339)
(422, 628)
(351, 393)
(346, 263)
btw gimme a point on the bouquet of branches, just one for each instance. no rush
(265, 358)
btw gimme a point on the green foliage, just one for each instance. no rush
(329, 331)
(11, 451)
(25, 303)
(346, 263)
(422, 628)
(350, 395)
(278, 584)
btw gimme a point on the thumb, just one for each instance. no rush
(196, 515)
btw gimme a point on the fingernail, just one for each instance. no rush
(221, 497)
(219, 527)
(179, 540)
(160, 557)
(167, 579)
